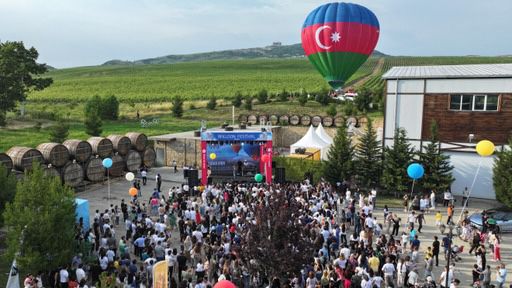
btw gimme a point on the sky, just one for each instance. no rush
(70, 33)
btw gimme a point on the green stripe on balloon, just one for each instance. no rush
(337, 67)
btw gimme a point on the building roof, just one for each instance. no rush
(450, 71)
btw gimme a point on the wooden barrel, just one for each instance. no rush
(22, 157)
(274, 119)
(339, 121)
(118, 165)
(139, 140)
(94, 170)
(133, 160)
(79, 150)
(72, 174)
(6, 161)
(351, 121)
(362, 121)
(242, 118)
(305, 120)
(294, 120)
(149, 157)
(54, 153)
(252, 119)
(122, 144)
(316, 120)
(284, 120)
(50, 171)
(262, 119)
(101, 146)
(327, 121)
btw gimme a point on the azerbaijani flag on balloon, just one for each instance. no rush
(338, 38)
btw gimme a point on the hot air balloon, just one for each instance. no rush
(338, 38)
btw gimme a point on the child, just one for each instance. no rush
(439, 218)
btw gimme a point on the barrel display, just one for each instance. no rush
(305, 120)
(101, 146)
(121, 144)
(54, 153)
(339, 121)
(327, 121)
(274, 119)
(118, 165)
(6, 161)
(78, 149)
(72, 174)
(242, 118)
(94, 170)
(134, 160)
(23, 157)
(139, 140)
(50, 171)
(262, 119)
(351, 121)
(294, 120)
(284, 120)
(316, 120)
(252, 119)
(149, 157)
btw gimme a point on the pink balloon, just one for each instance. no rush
(265, 158)
(224, 284)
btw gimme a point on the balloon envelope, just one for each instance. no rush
(213, 156)
(258, 177)
(133, 191)
(224, 284)
(338, 38)
(485, 148)
(107, 163)
(185, 187)
(265, 158)
(129, 176)
(415, 171)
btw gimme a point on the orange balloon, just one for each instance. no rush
(133, 191)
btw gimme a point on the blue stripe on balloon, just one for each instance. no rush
(341, 12)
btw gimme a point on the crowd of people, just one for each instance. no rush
(199, 231)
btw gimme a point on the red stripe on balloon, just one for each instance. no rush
(355, 37)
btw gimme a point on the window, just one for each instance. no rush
(477, 102)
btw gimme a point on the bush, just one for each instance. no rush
(248, 103)
(110, 108)
(237, 102)
(93, 123)
(262, 96)
(303, 99)
(323, 99)
(177, 107)
(60, 131)
(331, 111)
(283, 96)
(212, 104)
(349, 109)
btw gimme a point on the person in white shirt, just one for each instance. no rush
(442, 278)
(433, 200)
(388, 270)
(64, 277)
(80, 273)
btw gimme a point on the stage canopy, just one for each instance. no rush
(311, 140)
(320, 131)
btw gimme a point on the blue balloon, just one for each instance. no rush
(415, 171)
(107, 163)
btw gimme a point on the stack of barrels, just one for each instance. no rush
(303, 120)
(76, 161)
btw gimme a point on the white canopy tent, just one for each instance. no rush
(320, 131)
(312, 140)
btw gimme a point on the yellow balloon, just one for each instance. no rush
(485, 148)
(213, 156)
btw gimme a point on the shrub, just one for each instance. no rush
(93, 123)
(237, 102)
(283, 96)
(177, 107)
(110, 108)
(59, 132)
(248, 103)
(331, 110)
(212, 104)
(262, 96)
(323, 99)
(303, 99)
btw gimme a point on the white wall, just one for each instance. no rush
(390, 116)
(489, 85)
(410, 114)
(465, 167)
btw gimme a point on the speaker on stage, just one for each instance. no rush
(193, 178)
(273, 164)
(280, 177)
(210, 180)
(185, 173)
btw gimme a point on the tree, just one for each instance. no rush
(349, 108)
(40, 222)
(177, 107)
(331, 110)
(110, 108)
(93, 124)
(212, 103)
(248, 103)
(19, 74)
(60, 131)
(8, 188)
(323, 97)
(237, 101)
(438, 171)
(303, 99)
(93, 105)
(283, 96)
(277, 243)
(340, 158)
(363, 99)
(394, 165)
(502, 176)
(262, 96)
(368, 158)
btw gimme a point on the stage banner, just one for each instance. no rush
(268, 164)
(82, 211)
(236, 136)
(204, 165)
(160, 270)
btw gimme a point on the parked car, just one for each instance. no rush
(503, 217)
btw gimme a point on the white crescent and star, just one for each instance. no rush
(335, 37)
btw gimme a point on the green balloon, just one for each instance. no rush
(258, 177)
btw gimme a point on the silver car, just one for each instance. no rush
(503, 217)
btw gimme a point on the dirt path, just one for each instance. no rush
(376, 71)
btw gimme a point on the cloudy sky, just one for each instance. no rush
(71, 33)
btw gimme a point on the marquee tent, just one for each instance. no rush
(320, 131)
(311, 140)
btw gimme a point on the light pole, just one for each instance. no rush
(449, 252)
